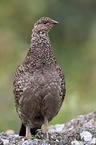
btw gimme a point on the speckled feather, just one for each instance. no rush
(39, 83)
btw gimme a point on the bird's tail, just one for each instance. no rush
(22, 131)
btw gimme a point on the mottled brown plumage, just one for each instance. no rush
(39, 84)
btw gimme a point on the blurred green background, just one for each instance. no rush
(73, 42)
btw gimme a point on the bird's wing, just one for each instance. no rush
(18, 84)
(62, 77)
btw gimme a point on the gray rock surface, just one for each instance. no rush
(78, 131)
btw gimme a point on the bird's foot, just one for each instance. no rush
(46, 131)
(38, 130)
(42, 132)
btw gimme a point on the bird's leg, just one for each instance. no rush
(45, 127)
(28, 133)
(45, 123)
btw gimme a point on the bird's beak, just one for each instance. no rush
(55, 22)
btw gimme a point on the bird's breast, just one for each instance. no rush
(41, 78)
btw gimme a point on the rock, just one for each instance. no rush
(8, 132)
(79, 131)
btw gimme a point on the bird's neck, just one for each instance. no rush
(39, 40)
(40, 51)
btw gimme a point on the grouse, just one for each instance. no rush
(39, 83)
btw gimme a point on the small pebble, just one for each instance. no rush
(75, 142)
(87, 136)
(93, 141)
(5, 141)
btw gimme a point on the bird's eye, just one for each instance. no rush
(44, 22)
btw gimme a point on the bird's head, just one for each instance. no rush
(44, 24)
